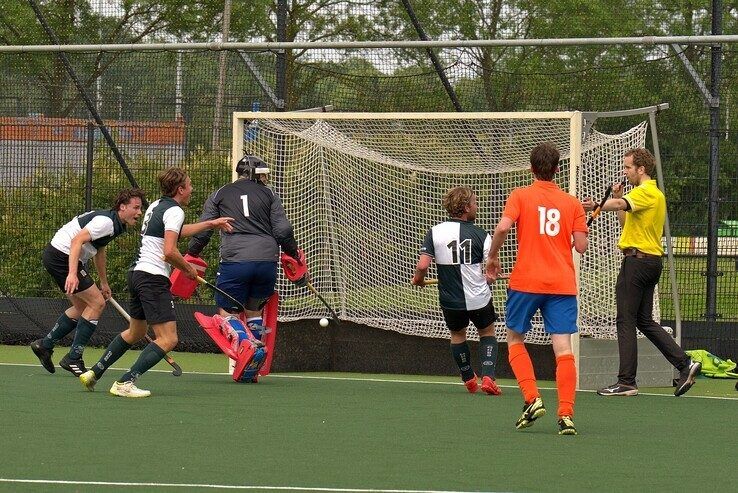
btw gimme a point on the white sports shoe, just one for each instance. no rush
(128, 389)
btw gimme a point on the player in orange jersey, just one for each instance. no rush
(549, 222)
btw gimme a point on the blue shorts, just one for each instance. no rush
(245, 281)
(559, 311)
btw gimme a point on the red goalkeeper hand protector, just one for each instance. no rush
(183, 287)
(295, 269)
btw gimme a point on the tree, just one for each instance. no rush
(77, 22)
(307, 20)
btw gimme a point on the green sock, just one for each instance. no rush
(115, 350)
(63, 326)
(148, 358)
(85, 328)
(488, 355)
(462, 357)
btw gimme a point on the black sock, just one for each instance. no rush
(85, 328)
(63, 326)
(115, 350)
(462, 357)
(148, 358)
(488, 355)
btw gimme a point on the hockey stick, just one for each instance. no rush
(330, 309)
(434, 282)
(177, 369)
(222, 293)
(596, 211)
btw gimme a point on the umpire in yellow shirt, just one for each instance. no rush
(642, 213)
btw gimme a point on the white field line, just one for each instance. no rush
(223, 486)
(397, 380)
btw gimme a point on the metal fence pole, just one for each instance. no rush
(281, 58)
(713, 203)
(90, 159)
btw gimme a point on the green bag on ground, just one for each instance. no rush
(712, 366)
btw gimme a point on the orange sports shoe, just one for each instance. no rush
(472, 385)
(489, 386)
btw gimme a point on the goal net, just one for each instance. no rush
(361, 191)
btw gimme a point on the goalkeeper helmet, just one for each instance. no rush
(252, 167)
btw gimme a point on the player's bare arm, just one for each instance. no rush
(615, 203)
(617, 193)
(100, 260)
(221, 223)
(493, 268)
(581, 242)
(75, 250)
(421, 270)
(174, 258)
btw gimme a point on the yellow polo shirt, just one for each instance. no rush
(644, 222)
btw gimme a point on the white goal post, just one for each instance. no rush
(362, 189)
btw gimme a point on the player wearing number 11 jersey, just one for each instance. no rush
(549, 222)
(459, 249)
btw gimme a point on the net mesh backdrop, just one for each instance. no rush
(362, 190)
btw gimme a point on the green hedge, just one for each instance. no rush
(32, 211)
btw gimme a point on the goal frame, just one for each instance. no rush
(580, 124)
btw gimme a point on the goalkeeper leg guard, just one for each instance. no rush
(251, 356)
(269, 339)
(255, 324)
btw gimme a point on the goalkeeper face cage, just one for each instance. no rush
(251, 167)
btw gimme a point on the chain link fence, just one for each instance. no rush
(161, 110)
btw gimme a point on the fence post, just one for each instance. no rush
(713, 203)
(90, 158)
(281, 59)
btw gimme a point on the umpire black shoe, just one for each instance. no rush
(43, 355)
(687, 376)
(74, 366)
(619, 389)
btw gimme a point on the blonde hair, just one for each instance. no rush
(456, 200)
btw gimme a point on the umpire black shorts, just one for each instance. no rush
(151, 299)
(459, 319)
(56, 263)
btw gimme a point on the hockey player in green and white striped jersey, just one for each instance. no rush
(459, 249)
